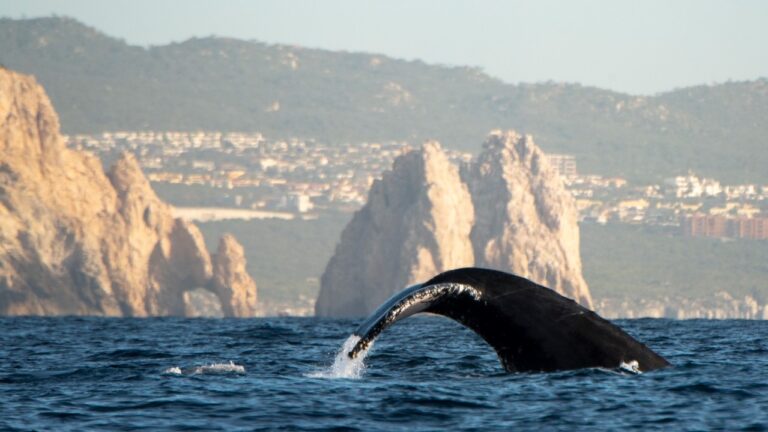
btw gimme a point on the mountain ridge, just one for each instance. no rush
(101, 83)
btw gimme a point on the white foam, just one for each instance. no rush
(213, 368)
(220, 368)
(631, 366)
(175, 370)
(343, 366)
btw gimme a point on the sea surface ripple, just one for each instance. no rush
(425, 373)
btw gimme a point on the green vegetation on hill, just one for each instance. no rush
(619, 260)
(285, 257)
(99, 83)
(645, 262)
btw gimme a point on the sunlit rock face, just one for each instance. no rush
(77, 241)
(508, 211)
(525, 221)
(415, 224)
(230, 280)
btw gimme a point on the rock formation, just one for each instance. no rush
(230, 280)
(422, 219)
(525, 220)
(74, 241)
(415, 224)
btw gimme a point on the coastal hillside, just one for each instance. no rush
(100, 83)
(75, 240)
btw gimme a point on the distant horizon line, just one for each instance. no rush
(214, 36)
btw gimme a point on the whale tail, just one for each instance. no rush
(531, 327)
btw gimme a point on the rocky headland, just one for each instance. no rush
(75, 240)
(506, 210)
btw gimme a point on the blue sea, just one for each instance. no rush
(424, 373)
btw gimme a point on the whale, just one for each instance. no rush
(531, 327)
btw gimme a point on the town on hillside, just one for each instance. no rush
(235, 172)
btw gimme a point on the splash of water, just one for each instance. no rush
(213, 368)
(632, 367)
(221, 368)
(343, 366)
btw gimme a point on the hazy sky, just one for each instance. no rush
(639, 46)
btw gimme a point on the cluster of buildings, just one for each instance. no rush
(703, 225)
(249, 171)
(246, 170)
(697, 206)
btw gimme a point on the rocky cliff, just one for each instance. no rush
(230, 280)
(421, 219)
(525, 221)
(77, 241)
(415, 224)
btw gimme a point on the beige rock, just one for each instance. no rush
(525, 220)
(74, 241)
(231, 282)
(415, 224)
(420, 220)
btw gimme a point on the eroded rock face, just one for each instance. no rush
(421, 219)
(74, 241)
(525, 221)
(230, 280)
(415, 224)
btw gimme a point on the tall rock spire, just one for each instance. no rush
(230, 280)
(415, 224)
(511, 212)
(525, 220)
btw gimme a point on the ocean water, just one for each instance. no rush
(424, 373)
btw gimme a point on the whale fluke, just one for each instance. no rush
(531, 327)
